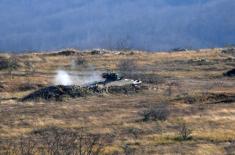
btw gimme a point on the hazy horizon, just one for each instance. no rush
(153, 25)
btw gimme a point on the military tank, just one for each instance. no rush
(114, 79)
(113, 83)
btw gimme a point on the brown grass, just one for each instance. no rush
(212, 125)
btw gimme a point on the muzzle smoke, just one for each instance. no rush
(63, 78)
(79, 78)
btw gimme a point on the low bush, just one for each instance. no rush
(4, 63)
(230, 149)
(9, 64)
(56, 141)
(185, 133)
(190, 100)
(80, 61)
(128, 150)
(160, 112)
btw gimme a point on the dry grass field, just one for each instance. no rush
(188, 106)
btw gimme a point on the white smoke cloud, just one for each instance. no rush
(77, 78)
(85, 78)
(63, 78)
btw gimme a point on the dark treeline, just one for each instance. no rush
(30, 25)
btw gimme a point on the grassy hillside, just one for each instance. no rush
(187, 107)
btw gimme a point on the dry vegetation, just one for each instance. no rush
(187, 108)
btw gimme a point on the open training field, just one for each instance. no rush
(187, 105)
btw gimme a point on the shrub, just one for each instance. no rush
(30, 67)
(134, 132)
(190, 100)
(56, 141)
(230, 149)
(160, 112)
(185, 133)
(9, 64)
(3, 64)
(128, 150)
(80, 61)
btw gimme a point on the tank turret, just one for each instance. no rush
(111, 76)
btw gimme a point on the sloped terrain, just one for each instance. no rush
(57, 93)
(186, 105)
